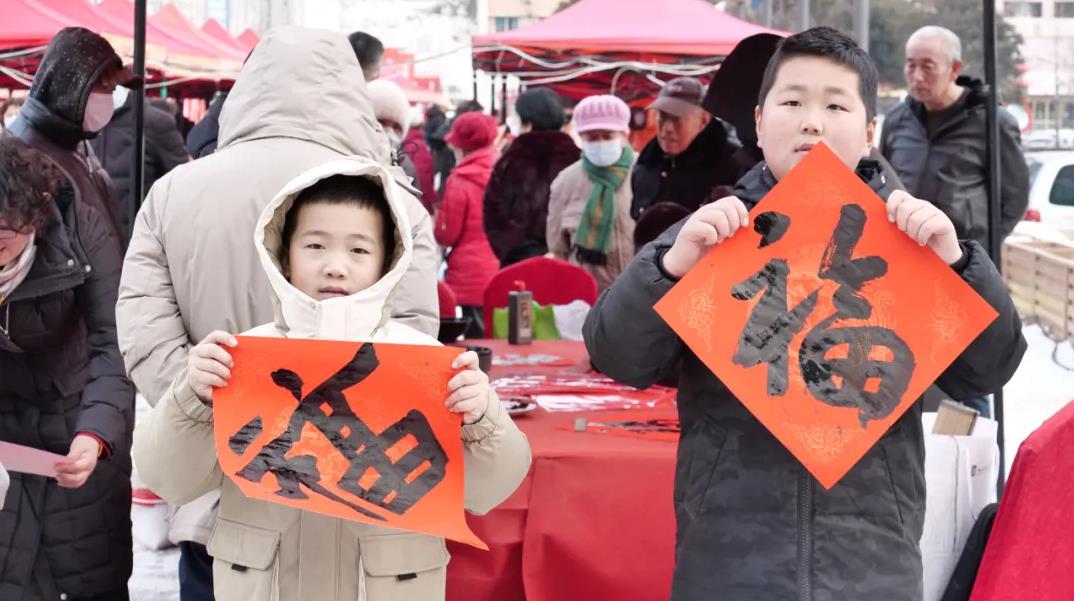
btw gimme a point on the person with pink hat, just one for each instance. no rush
(460, 217)
(589, 222)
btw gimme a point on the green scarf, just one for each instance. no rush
(594, 235)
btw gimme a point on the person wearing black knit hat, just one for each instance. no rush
(540, 110)
(516, 199)
(69, 102)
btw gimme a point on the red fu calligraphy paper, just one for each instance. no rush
(824, 319)
(357, 431)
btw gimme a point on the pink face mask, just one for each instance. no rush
(99, 109)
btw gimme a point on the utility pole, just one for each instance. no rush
(803, 15)
(768, 12)
(861, 23)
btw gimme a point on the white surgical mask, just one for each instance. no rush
(395, 139)
(119, 96)
(10, 118)
(604, 153)
(99, 111)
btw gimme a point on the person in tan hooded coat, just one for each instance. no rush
(263, 550)
(299, 101)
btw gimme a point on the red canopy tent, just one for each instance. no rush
(28, 25)
(171, 20)
(214, 29)
(250, 38)
(596, 46)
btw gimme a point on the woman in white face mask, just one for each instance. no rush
(68, 103)
(589, 220)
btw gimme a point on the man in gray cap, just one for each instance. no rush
(693, 152)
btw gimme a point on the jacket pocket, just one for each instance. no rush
(699, 457)
(404, 566)
(245, 562)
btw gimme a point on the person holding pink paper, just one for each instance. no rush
(333, 244)
(63, 389)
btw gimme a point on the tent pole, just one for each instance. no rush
(995, 235)
(492, 95)
(503, 100)
(138, 155)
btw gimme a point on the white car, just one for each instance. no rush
(1051, 187)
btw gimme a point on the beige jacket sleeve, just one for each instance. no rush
(415, 302)
(558, 244)
(497, 458)
(174, 449)
(152, 336)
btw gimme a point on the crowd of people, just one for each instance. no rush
(352, 193)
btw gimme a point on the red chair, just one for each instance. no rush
(448, 302)
(552, 282)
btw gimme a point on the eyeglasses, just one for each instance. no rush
(6, 234)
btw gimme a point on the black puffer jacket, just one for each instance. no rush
(164, 149)
(63, 374)
(949, 166)
(201, 141)
(711, 160)
(752, 523)
(516, 199)
(51, 118)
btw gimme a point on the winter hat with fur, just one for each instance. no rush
(389, 102)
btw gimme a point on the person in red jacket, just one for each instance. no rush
(415, 147)
(459, 220)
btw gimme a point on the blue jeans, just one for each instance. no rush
(195, 573)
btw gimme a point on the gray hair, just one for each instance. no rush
(950, 41)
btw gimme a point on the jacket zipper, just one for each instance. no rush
(805, 536)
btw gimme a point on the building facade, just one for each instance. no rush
(1048, 29)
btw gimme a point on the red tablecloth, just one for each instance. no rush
(593, 519)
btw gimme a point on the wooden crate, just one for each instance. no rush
(1040, 277)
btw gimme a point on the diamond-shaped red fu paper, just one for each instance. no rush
(824, 319)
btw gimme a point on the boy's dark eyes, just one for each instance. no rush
(359, 251)
(836, 107)
(315, 246)
(791, 103)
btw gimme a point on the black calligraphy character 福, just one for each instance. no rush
(873, 371)
(380, 473)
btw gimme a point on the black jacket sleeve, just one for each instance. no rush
(1014, 184)
(990, 360)
(166, 144)
(108, 398)
(627, 340)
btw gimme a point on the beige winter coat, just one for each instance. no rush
(569, 194)
(285, 553)
(190, 269)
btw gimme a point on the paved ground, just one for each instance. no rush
(1037, 391)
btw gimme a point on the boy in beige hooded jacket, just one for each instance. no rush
(333, 263)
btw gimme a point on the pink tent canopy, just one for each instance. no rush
(171, 20)
(250, 38)
(679, 27)
(214, 29)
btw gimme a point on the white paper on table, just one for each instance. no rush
(28, 460)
